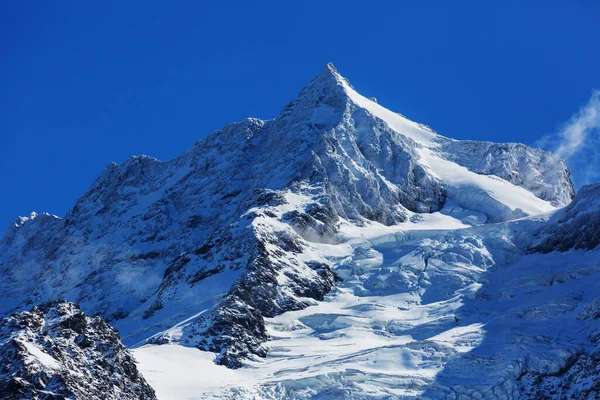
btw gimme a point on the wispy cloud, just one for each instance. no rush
(578, 142)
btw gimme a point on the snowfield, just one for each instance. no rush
(420, 313)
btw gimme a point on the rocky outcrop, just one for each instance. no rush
(274, 280)
(55, 351)
(577, 226)
(579, 379)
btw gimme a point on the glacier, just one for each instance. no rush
(339, 250)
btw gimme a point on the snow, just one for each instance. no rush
(460, 179)
(40, 356)
(174, 333)
(400, 124)
(177, 372)
(461, 183)
(378, 334)
(425, 222)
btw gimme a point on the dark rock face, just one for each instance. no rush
(236, 331)
(316, 223)
(55, 351)
(577, 226)
(273, 282)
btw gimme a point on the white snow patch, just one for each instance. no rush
(176, 372)
(41, 356)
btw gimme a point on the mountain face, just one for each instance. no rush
(577, 226)
(340, 248)
(55, 351)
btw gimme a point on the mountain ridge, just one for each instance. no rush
(221, 247)
(292, 149)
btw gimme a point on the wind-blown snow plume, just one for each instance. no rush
(578, 142)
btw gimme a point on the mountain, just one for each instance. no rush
(577, 226)
(55, 351)
(337, 250)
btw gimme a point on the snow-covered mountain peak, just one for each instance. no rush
(323, 101)
(263, 217)
(20, 221)
(327, 78)
(32, 230)
(329, 97)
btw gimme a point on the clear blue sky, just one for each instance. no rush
(89, 82)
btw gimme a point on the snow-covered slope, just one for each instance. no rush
(423, 310)
(296, 239)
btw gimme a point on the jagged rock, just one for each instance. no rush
(577, 226)
(55, 351)
(235, 328)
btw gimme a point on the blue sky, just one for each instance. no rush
(86, 83)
